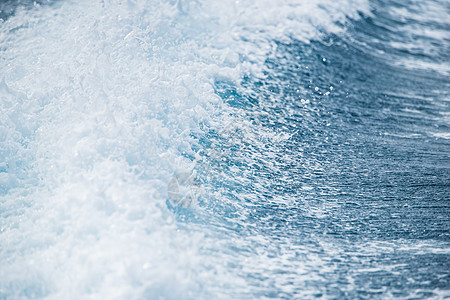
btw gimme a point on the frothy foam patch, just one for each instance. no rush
(100, 105)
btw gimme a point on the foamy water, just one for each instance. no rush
(166, 149)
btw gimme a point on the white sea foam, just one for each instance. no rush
(423, 40)
(98, 103)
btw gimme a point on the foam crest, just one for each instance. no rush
(101, 105)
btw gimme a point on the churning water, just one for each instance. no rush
(224, 149)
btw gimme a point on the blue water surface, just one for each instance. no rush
(323, 172)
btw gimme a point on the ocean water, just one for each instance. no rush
(206, 149)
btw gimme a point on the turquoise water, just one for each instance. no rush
(224, 149)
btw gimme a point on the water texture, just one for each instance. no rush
(224, 149)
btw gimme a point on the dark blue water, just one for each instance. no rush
(368, 148)
(9, 7)
(320, 170)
